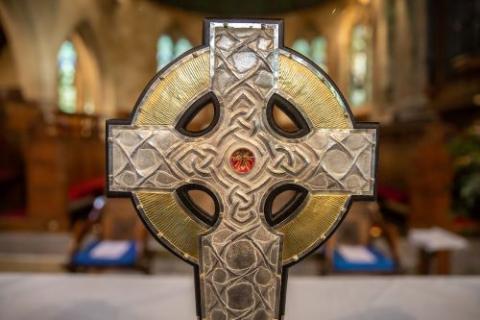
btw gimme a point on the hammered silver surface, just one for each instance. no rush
(157, 158)
(240, 258)
(240, 264)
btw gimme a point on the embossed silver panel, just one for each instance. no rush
(327, 161)
(240, 257)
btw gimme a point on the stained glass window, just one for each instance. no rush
(167, 49)
(318, 51)
(181, 46)
(302, 46)
(67, 92)
(164, 51)
(315, 50)
(360, 66)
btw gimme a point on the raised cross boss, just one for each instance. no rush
(242, 160)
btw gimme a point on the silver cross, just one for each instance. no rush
(241, 160)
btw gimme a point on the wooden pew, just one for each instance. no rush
(62, 160)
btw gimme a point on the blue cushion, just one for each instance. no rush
(381, 264)
(84, 257)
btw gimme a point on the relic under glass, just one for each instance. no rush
(244, 160)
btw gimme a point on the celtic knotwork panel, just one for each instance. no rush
(328, 161)
(242, 248)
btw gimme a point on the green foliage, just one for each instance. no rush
(465, 150)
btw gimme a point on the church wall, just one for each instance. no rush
(122, 36)
(134, 30)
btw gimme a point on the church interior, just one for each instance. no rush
(413, 66)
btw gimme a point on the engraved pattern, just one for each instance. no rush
(240, 259)
(328, 161)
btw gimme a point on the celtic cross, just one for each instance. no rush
(243, 159)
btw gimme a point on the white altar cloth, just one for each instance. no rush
(84, 297)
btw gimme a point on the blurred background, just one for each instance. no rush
(66, 66)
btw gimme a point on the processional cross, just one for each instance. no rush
(243, 160)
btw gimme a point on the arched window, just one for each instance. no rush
(78, 86)
(164, 51)
(318, 49)
(315, 50)
(360, 75)
(67, 91)
(181, 46)
(167, 49)
(302, 46)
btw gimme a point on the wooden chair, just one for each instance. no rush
(111, 237)
(357, 233)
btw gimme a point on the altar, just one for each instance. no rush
(46, 296)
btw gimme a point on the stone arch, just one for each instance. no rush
(36, 31)
(9, 76)
(94, 92)
(352, 17)
(23, 51)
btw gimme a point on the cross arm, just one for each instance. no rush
(334, 161)
(152, 158)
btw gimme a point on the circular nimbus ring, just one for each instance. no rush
(186, 80)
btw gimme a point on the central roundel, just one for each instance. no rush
(242, 160)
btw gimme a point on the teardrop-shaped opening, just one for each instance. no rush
(285, 119)
(200, 202)
(201, 117)
(203, 201)
(281, 201)
(284, 202)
